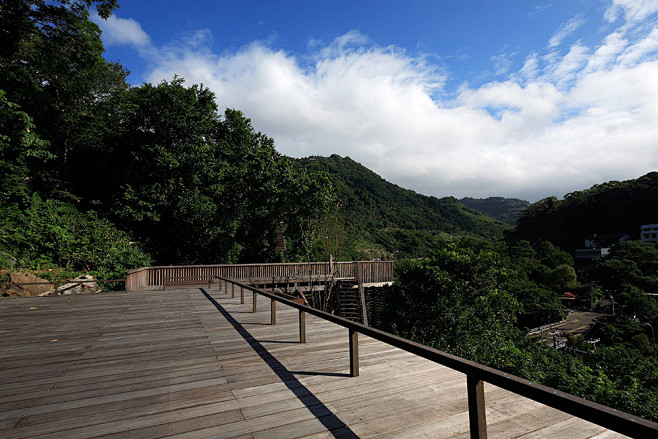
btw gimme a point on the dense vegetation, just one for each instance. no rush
(381, 220)
(506, 210)
(99, 176)
(613, 207)
(476, 299)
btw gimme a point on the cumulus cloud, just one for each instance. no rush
(569, 118)
(121, 31)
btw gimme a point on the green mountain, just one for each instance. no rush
(384, 220)
(612, 207)
(506, 210)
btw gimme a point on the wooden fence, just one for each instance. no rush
(371, 272)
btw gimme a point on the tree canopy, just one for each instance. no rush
(475, 299)
(184, 182)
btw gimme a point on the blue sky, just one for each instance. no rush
(517, 98)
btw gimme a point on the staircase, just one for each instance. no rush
(350, 301)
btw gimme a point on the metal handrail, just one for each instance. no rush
(599, 414)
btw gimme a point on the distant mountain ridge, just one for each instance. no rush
(612, 207)
(506, 210)
(384, 219)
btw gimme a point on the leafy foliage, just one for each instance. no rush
(22, 150)
(456, 301)
(470, 298)
(49, 233)
(197, 187)
(51, 64)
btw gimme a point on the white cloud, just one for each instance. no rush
(607, 53)
(647, 46)
(503, 62)
(632, 10)
(121, 31)
(530, 69)
(565, 30)
(564, 121)
(562, 71)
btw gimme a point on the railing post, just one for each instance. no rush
(302, 327)
(273, 312)
(254, 303)
(354, 353)
(476, 409)
(241, 295)
(225, 287)
(232, 291)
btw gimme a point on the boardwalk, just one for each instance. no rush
(192, 362)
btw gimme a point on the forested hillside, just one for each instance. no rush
(506, 210)
(612, 207)
(384, 220)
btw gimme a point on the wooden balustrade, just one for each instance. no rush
(160, 276)
(476, 375)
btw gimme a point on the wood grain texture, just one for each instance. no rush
(195, 363)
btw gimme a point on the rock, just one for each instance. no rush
(74, 287)
(28, 290)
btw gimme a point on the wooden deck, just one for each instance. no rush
(181, 363)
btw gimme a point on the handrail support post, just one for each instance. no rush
(476, 409)
(354, 352)
(241, 295)
(302, 327)
(254, 302)
(273, 312)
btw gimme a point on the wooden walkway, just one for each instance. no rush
(184, 363)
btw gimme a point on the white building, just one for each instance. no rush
(649, 233)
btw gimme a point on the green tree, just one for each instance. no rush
(54, 233)
(308, 222)
(539, 305)
(552, 256)
(22, 151)
(199, 187)
(457, 300)
(562, 278)
(51, 64)
(165, 177)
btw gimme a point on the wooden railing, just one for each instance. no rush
(156, 277)
(476, 374)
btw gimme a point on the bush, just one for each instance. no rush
(53, 233)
